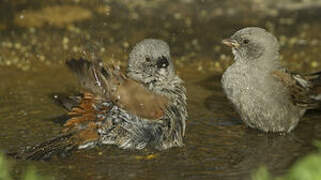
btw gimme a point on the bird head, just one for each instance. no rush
(253, 43)
(150, 61)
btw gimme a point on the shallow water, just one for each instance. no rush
(217, 144)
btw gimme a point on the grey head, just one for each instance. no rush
(150, 62)
(253, 43)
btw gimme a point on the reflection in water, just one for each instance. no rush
(217, 144)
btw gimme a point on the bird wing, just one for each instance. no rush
(88, 112)
(80, 131)
(111, 84)
(133, 97)
(66, 101)
(86, 118)
(89, 75)
(304, 89)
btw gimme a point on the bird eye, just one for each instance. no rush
(246, 41)
(147, 59)
(162, 62)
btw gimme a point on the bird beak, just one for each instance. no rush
(231, 43)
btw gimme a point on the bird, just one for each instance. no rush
(267, 96)
(144, 107)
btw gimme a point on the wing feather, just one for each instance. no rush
(302, 88)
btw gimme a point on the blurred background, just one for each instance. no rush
(37, 37)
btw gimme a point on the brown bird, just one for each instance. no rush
(144, 107)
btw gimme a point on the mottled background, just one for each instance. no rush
(36, 37)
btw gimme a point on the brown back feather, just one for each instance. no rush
(301, 87)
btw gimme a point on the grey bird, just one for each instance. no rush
(266, 95)
(144, 107)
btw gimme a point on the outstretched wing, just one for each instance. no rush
(305, 90)
(80, 131)
(66, 101)
(111, 84)
(91, 75)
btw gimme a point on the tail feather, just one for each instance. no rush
(315, 79)
(60, 145)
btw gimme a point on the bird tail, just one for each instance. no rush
(315, 79)
(60, 145)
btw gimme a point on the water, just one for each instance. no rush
(217, 144)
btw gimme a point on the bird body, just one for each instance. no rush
(262, 105)
(260, 88)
